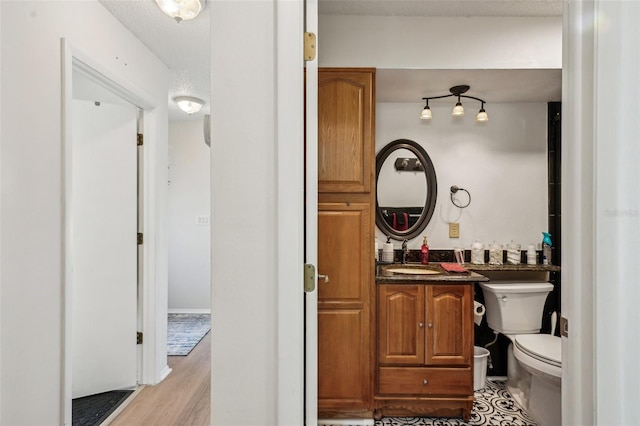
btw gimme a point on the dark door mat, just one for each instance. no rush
(94, 409)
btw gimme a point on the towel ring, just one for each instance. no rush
(455, 189)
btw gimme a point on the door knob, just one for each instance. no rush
(421, 325)
(324, 278)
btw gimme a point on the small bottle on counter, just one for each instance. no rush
(424, 251)
(477, 253)
(546, 248)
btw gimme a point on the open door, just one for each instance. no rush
(311, 220)
(104, 247)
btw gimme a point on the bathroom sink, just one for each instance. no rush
(391, 270)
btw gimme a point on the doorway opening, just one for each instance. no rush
(103, 281)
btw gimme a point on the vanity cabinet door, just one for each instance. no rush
(449, 325)
(401, 313)
(346, 159)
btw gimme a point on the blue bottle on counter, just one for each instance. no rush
(546, 248)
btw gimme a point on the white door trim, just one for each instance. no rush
(290, 216)
(311, 226)
(73, 56)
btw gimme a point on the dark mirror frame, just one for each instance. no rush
(432, 189)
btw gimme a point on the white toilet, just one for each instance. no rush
(534, 360)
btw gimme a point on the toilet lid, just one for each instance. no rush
(544, 347)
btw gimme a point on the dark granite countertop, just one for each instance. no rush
(439, 275)
(508, 267)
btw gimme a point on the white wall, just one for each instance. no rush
(257, 231)
(502, 163)
(601, 212)
(440, 43)
(189, 199)
(32, 193)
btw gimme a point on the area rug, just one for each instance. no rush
(184, 331)
(94, 409)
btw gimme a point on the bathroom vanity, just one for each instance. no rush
(424, 343)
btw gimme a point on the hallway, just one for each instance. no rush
(183, 398)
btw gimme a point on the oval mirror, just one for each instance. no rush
(406, 189)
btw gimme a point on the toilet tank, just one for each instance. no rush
(515, 307)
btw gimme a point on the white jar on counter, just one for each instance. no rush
(513, 253)
(477, 253)
(532, 255)
(387, 253)
(495, 254)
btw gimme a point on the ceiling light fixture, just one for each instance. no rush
(426, 112)
(458, 110)
(189, 104)
(181, 10)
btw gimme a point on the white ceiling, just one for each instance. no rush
(184, 48)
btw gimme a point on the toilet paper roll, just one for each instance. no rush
(478, 312)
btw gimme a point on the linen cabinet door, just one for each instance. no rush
(345, 130)
(449, 325)
(344, 317)
(401, 324)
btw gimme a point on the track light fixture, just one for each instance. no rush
(458, 110)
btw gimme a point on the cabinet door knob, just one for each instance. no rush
(430, 325)
(425, 382)
(324, 278)
(421, 325)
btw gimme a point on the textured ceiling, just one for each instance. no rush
(184, 48)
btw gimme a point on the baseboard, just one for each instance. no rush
(349, 422)
(497, 378)
(164, 373)
(189, 311)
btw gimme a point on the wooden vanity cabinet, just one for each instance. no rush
(425, 350)
(346, 224)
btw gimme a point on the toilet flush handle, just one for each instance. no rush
(503, 298)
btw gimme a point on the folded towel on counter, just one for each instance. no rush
(452, 267)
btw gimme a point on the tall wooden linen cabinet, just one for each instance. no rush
(346, 221)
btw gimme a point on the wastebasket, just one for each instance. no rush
(480, 357)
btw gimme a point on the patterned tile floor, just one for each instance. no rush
(493, 406)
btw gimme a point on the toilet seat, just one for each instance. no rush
(540, 351)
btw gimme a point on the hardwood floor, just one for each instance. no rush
(183, 398)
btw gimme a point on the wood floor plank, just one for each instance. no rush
(183, 398)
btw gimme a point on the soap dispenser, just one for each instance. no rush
(424, 259)
(387, 251)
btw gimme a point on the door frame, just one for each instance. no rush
(311, 221)
(72, 57)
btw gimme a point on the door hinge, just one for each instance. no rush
(138, 338)
(140, 139)
(309, 46)
(140, 238)
(309, 278)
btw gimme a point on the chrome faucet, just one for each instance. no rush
(405, 251)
